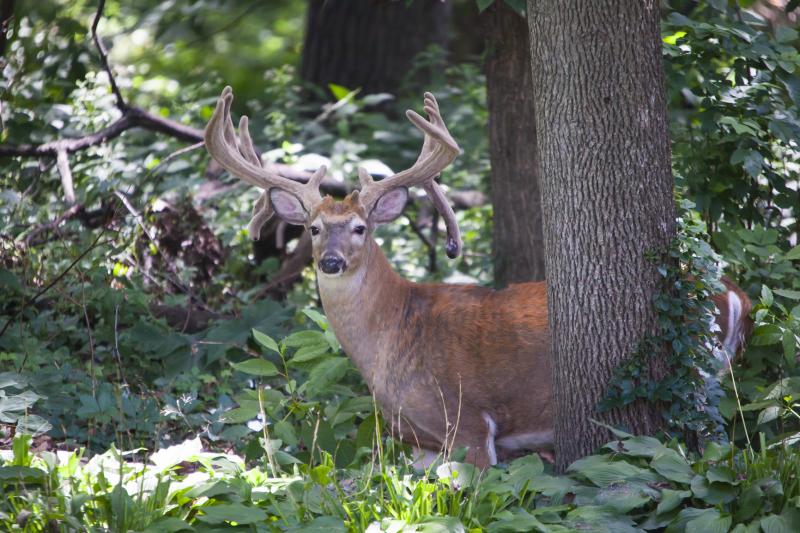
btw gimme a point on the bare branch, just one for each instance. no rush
(101, 49)
(62, 163)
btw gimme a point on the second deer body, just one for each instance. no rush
(449, 365)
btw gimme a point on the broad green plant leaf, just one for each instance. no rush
(257, 367)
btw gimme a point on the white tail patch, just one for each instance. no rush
(733, 337)
(490, 434)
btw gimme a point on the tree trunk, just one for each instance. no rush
(606, 199)
(517, 231)
(368, 43)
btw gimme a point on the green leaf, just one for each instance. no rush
(713, 493)
(710, 521)
(789, 342)
(753, 163)
(673, 39)
(240, 415)
(266, 341)
(637, 446)
(766, 335)
(793, 254)
(785, 34)
(749, 503)
(12, 407)
(326, 372)
(787, 293)
(671, 499)
(231, 512)
(523, 470)
(518, 520)
(622, 497)
(305, 338)
(722, 474)
(672, 466)
(310, 352)
(320, 475)
(318, 318)
(33, 425)
(257, 367)
(601, 471)
(766, 296)
(23, 474)
(786, 522)
(339, 92)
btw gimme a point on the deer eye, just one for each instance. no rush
(360, 230)
(314, 230)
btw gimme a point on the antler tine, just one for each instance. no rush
(246, 147)
(262, 212)
(238, 156)
(436, 194)
(438, 150)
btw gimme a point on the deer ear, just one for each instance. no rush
(288, 206)
(389, 206)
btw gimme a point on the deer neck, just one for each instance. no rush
(363, 306)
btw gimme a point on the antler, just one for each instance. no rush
(239, 157)
(439, 149)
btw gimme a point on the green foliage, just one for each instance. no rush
(90, 364)
(634, 484)
(684, 347)
(735, 89)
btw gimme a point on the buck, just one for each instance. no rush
(449, 365)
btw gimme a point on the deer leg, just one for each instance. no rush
(479, 438)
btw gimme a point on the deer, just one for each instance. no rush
(449, 365)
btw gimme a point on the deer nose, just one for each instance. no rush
(331, 264)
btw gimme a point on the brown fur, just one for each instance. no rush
(441, 358)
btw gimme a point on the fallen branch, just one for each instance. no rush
(135, 117)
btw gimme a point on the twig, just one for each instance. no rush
(430, 245)
(176, 154)
(101, 49)
(73, 211)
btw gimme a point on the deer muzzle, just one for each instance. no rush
(332, 264)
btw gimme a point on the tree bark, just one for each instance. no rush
(606, 199)
(368, 43)
(517, 238)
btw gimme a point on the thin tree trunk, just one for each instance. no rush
(606, 199)
(368, 43)
(517, 231)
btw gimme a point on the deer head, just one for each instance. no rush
(339, 229)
